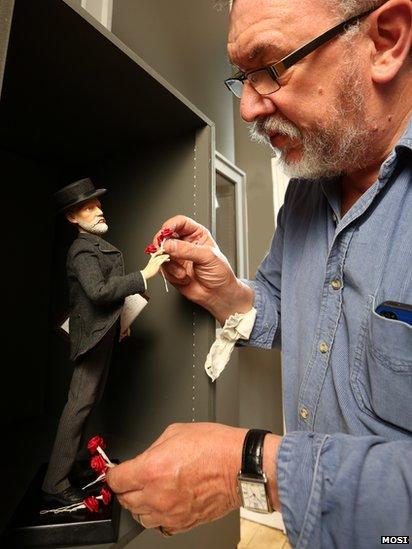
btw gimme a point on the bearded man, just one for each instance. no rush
(98, 287)
(327, 84)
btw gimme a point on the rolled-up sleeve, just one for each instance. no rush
(344, 491)
(267, 318)
(267, 327)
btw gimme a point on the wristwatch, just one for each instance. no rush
(252, 481)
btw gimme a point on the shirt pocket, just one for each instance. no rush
(382, 377)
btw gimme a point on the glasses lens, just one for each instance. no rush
(263, 82)
(235, 86)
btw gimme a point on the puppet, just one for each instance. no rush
(98, 287)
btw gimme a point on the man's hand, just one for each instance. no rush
(201, 272)
(155, 262)
(187, 476)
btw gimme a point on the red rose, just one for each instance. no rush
(106, 495)
(159, 240)
(92, 504)
(94, 443)
(150, 249)
(98, 464)
(166, 232)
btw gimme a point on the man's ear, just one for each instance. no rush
(71, 217)
(391, 34)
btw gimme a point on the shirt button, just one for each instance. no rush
(304, 413)
(336, 284)
(323, 347)
(334, 218)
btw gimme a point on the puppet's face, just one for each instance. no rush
(89, 217)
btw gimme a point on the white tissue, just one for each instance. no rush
(237, 326)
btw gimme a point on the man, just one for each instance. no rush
(338, 114)
(98, 287)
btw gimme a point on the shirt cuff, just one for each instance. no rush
(299, 480)
(266, 322)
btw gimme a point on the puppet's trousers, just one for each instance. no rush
(86, 389)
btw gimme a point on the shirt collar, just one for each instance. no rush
(402, 147)
(331, 187)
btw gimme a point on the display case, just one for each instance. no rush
(77, 102)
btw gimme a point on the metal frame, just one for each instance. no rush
(6, 13)
(238, 177)
(105, 8)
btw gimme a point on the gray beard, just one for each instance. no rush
(337, 145)
(96, 227)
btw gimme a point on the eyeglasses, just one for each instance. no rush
(265, 80)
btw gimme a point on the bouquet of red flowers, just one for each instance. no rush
(99, 462)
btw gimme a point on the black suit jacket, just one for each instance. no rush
(97, 286)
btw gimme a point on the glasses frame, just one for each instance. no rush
(276, 70)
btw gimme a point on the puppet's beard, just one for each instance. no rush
(98, 226)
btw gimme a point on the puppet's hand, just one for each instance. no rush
(200, 271)
(155, 262)
(124, 334)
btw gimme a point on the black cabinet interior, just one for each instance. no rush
(76, 102)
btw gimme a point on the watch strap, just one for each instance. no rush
(252, 455)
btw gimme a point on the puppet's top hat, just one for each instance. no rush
(76, 193)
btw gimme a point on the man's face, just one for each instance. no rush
(317, 121)
(89, 217)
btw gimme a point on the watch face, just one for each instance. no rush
(254, 495)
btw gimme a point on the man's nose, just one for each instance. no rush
(99, 211)
(252, 104)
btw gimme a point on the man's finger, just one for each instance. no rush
(127, 476)
(176, 281)
(145, 520)
(176, 271)
(134, 501)
(180, 249)
(181, 225)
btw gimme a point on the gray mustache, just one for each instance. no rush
(272, 124)
(98, 221)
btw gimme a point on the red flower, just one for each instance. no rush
(166, 232)
(92, 504)
(94, 443)
(150, 249)
(98, 464)
(106, 495)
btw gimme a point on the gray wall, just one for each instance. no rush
(185, 42)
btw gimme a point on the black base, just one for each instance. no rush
(28, 528)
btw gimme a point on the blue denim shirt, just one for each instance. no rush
(346, 369)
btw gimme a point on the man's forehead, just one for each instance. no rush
(275, 25)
